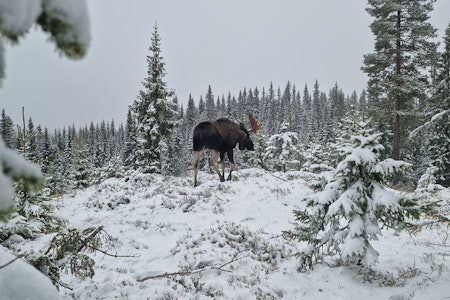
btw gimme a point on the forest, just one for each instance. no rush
(401, 119)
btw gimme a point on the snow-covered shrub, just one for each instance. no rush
(354, 206)
(229, 250)
(260, 157)
(428, 180)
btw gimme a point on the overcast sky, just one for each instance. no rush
(226, 44)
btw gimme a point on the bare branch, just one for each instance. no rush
(189, 273)
(10, 262)
(113, 255)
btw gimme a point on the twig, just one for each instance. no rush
(10, 262)
(278, 177)
(113, 255)
(189, 273)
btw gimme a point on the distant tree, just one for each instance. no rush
(349, 213)
(210, 109)
(435, 132)
(397, 69)
(282, 148)
(130, 148)
(7, 132)
(31, 152)
(154, 112)
(80, 172)
(285, 105)
(49, 155)
(260, 157)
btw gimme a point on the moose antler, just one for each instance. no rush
(253, 123)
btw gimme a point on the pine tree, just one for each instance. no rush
(349, 213)
(154, 112)
(396, 70)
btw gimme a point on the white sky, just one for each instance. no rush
(226, 44)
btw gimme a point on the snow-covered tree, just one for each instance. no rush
(436, 131)
(154, 112)
(80, 166)
(282, 148)
(260, 157)
(349, 213)
(7, 132)
(397, 74)
(67, 23)
(130, 147)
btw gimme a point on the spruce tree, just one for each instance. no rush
(436, 131)
(154, 112)
(7, 132)
(210, 108)
(349, 213)
(282, 148)
(129, 153)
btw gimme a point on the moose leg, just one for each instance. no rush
(231, 159)
(214, 157)
(197, 156)
(222, 162)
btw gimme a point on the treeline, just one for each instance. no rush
(76, 157)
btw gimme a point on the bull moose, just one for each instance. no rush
(220, 137)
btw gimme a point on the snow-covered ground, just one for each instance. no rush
(226, 238)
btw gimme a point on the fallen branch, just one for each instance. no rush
(189, 273)
(90, 237)
(113, 255)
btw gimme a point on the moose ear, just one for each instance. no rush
(242, 127)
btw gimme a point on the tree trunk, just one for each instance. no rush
(398, 66)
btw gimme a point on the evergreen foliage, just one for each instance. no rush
(349, 213)
(397, 69)
(282, 149)
(154, 112)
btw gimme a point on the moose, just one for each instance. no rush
(220, 137)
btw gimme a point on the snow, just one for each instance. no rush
(17, 16)
(74, 12)
(228, 235)
(19, 280)
(13, 166)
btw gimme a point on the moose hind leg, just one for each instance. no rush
(197, 156)
(231, 159)
(214, 157)
(222, 163)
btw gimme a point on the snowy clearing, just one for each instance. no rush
(224, 241)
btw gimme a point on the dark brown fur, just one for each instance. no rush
(219, 137)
